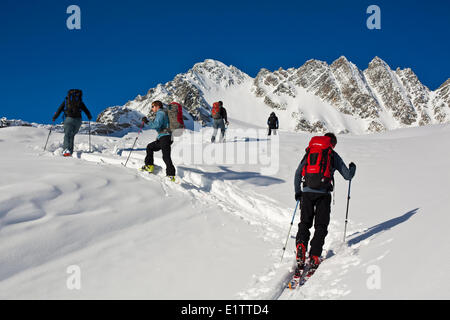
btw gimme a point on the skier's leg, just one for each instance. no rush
(67, 134)
(75, 128)
(222, 130)
(321, 222)
(215, 127)
(151, 147)
(165, 143)
(306, 219)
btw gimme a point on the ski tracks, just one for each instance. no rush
(264, 213)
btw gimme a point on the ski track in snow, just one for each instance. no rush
(258, 210)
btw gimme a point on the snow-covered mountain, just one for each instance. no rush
(316, 97)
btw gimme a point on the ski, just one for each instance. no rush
(299, 280)
(296, 278)
(307, 274)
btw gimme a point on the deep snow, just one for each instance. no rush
(135, 235)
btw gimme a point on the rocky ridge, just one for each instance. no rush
(378, 98)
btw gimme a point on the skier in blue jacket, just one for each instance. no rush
(163, 140)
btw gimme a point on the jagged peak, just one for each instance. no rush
(445, 84)
(210, 63)
(377, 61)
(314, 63)
(341, 59)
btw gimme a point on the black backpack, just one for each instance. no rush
(73, 102)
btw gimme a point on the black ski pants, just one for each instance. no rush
(315, 207)
(162, 144)
(274, 130)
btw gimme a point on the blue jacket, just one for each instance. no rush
(338, 164)
(160, 123)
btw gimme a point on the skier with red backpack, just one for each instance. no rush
(316, 171)
(219, 115)
(167, 123)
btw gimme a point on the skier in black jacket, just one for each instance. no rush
(72, 107)
(272, 122)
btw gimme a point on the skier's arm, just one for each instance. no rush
(339, 164)
(224, 114)
(60, 109)
(298, 177)
(86, 111)
(277, 124)
(158, 122)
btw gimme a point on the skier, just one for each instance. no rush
(72, 107)
(163, 140)
(219, 114)
(315, 198)
(272, 122)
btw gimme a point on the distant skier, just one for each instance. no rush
(219, 115)
(72, 107)
(163, 140)
(316, 171)
(272, 122)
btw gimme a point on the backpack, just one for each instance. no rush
(176, 123)
(215, 111)
(272, 121)
(73, 102)
(317, 170)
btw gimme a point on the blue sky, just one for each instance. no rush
(125, 48)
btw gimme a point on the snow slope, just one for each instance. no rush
(138, 236)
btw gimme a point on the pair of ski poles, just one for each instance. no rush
(50, 132)
(295, 210)
(132, 148)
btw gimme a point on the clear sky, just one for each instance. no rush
(125, 48)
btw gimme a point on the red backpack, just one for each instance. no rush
(176, 122)
(215, 111)
(317, 170)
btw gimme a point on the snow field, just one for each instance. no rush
(136, 235)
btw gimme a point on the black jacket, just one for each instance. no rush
(223, 114)
(73, 113)
(272, 122)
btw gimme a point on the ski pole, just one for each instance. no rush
(89, 123)
(45, 147)
(346, 214)
(140, 129)
(289, 233)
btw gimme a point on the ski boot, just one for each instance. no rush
(148, 168)
(301, 253)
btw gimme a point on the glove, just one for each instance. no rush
(145, 120)
(298, 196)
(352, 165)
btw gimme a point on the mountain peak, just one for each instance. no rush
(377, 61)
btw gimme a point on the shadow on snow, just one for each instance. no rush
(384, 226)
